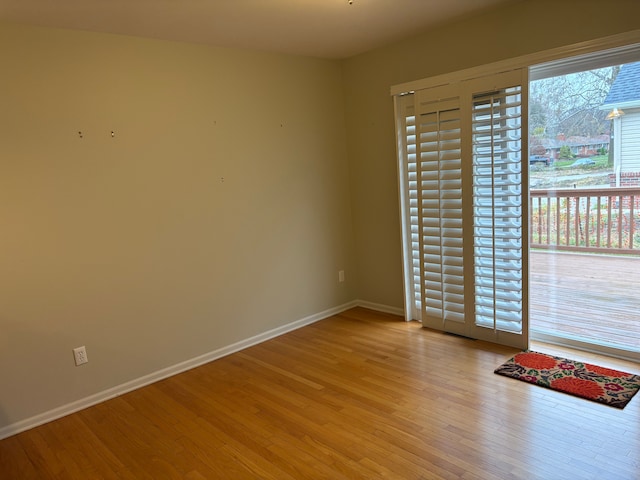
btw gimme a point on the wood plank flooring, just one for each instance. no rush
(589, 297)
(360, 395)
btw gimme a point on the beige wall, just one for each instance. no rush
(133, 245)
(527, 27)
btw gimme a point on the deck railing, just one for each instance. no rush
(586, 219)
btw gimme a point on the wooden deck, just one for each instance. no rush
(586, 296)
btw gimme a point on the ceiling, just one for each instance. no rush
(319, 28)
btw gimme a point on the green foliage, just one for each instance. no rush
(565, 152)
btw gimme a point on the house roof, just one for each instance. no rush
(625, 90)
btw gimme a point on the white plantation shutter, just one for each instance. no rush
(461, 186)
(497, 209)
(433, 179)
(439, 193)
(406, 130)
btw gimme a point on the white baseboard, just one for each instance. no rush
(381, 308)
(118, 390)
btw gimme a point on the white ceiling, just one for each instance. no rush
(318, 28)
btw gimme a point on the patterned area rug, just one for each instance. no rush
(599, 384)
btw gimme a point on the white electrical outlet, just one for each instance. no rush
(341, 276)
(80, 355)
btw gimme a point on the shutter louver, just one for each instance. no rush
(497, 209)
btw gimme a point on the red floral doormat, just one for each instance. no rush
(599, 384)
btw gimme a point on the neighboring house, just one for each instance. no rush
(623, 103)
(580, 146)
(585, 146)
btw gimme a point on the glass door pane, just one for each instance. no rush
(584, 171)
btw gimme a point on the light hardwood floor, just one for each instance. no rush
(358, 395)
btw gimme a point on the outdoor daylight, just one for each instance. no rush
(584, 178)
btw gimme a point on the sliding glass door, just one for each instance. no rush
(477, 154)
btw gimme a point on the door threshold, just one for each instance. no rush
(585, 345)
